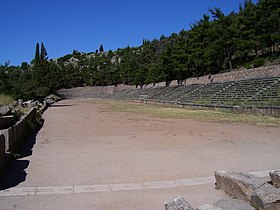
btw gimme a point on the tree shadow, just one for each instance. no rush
(14, 172)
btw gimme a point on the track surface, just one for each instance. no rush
(88, 158)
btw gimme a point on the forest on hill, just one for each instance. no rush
(215, 43)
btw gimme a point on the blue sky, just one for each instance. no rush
(64, 25)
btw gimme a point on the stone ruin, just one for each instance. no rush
(247, 192)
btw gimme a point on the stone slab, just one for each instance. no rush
(266, 197)
(238, 185)
(233, 204)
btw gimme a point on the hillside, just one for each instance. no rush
(216, 43)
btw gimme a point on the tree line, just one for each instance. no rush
(213, 44)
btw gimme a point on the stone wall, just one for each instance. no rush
(265, 111)
(2, 152)
(13, 136)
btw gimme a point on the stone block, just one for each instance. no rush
(178, 203)
(266, 197)
(233, 204)
(275, 177)
(238, 185)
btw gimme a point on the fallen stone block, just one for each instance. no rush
(238, 185)
(233, 204)
(266, 197)
(178, 203)
(275, 177)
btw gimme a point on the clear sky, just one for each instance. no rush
(64, 25)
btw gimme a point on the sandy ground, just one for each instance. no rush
(80, 144)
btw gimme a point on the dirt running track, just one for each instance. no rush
(88, 158)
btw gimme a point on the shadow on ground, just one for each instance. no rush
(14, 172)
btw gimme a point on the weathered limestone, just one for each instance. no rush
(275, 177)
(178, 203)
(239, 185)
(227, 204)
(233, 204)
(250, 189)
(266, 197)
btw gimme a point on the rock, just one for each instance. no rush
(266, 197)
(233, 204)
(239, 185)
(5, 110)
(178, 203)
(275, 177)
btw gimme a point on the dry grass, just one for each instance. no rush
(6, 100)
(177, 113)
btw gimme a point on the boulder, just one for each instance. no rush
(275, 177)
(238, 185)
(266, 197)
(178, 203)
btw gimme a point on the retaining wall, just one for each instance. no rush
(267, 111)
(2, 153)
(6, 121)
(13, 136)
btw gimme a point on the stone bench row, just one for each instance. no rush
(214, 93)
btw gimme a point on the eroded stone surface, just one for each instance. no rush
(233, 204)
(266, 197)
(239, 185)
(275, 177)
(178, 203)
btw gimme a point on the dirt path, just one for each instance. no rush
(88, 158)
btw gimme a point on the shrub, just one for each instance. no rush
(6, 100)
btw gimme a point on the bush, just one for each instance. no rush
(6, 100)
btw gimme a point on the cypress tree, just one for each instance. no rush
(37, 53)
(44, 54)
(101, 49)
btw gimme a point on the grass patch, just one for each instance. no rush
(178, 113)
(6, 100)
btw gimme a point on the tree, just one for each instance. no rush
(37, 53)
(101, 49)
(44, 54)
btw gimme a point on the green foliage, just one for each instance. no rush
(215, 43)
(6, 100)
